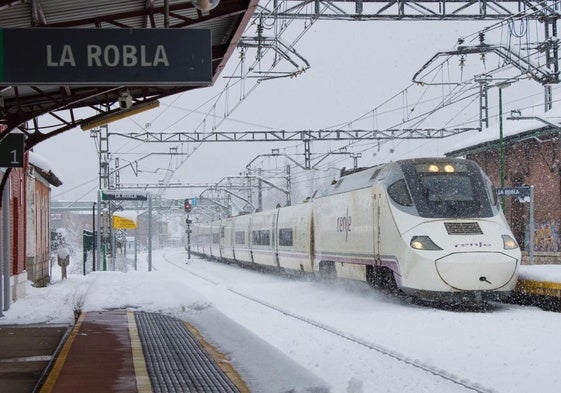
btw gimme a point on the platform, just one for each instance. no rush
(25, 353)
(125, 351)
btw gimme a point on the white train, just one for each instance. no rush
(431, 227)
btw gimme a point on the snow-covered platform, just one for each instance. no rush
(129, 351)
(540, 285)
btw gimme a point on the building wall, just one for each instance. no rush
(530, 162)
(18, 273)
(17, 220)
(38, 229)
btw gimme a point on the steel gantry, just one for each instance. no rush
(363, 10)
(305, 136)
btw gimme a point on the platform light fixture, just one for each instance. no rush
(107, 118)
(501, 86)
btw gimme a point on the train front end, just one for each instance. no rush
(456, 243)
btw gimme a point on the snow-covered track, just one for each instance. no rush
(378, 348)
(416, 363)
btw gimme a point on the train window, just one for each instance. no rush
(285, 237)
(262, 237)
(222, 232)
(491, 192)
(215, 238)
(400, 194)
(448, 188)
(240, 237)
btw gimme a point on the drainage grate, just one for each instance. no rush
(463, 228)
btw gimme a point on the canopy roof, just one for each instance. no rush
(21, 104)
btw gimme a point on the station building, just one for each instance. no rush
(29, 223)
(531, 156)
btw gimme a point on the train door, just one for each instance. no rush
(376, 222)
(373, 272)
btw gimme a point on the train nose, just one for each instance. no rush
(476, 271)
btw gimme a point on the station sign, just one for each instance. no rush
(519, 192)
(122, 196)
(12, 150)
(134, 57)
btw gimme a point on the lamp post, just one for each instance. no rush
(501, 86)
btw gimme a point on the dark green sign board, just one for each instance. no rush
(519, 192)
(135, 57)
(11, 151)
(122, 196)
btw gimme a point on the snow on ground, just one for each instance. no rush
(551, 273)
(510, 349)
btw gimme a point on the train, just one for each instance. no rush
(431, 228)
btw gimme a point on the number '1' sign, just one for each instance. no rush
(11, 151)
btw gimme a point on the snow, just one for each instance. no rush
(63, 252)
(550, 273)
(127, 214)
(390, 345)
(510, 127)
(43, 163)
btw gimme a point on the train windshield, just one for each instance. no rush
(449, 189)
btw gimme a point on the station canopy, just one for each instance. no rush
(21, 103)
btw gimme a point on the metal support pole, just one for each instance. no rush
(259, 190)
(288, 186)
(94, 239)
(2, 245)
(136, 249)
(531, 226)
(188, 222)
(501, 147)
(99, 229)
(149, 232)
(307, 154)
(6, 249)
(483, 105)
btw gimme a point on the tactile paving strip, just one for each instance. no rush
(175, 360)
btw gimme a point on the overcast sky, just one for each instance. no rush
(355, 66)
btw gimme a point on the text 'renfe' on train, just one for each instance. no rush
(431, 227)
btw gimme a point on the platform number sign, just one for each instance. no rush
(11, 151)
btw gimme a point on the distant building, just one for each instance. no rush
(531, 157)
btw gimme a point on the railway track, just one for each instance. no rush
(397, 356)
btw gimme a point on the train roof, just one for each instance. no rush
(367, 177)
(354, 181)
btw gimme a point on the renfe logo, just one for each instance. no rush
(344, 224)
(474, 244)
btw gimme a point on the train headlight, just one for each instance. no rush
(423, 243)
(509, 243)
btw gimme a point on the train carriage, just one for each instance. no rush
(344, 227)
(431, 227)
(263, 238)
(294, 237)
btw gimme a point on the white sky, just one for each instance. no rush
(355, 66)
(510, 348)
